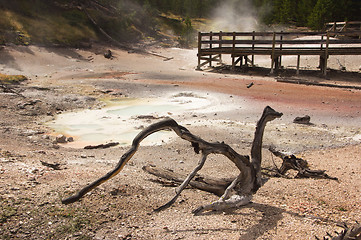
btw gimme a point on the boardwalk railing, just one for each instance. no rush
(338, 28)
(241, 45)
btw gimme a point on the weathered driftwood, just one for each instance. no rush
(298, 164)
(353, 233)
(208, 184)
(9, 89)
(238, 193)
(103, 146)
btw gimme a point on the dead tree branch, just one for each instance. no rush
(9, 89)
(353, 233)
(238, 193)
(212, 185)
(298, 164)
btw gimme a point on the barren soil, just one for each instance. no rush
(63, 80)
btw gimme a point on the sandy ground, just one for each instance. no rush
(64, 80)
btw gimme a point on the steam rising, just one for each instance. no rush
(235, 15)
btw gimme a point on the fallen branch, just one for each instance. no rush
(238, 193)
(107, 145)
(304, 82)
(298, 164)
(8, 89)
(55, 166)
(216, 186)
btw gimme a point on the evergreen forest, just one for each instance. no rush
(70, 22)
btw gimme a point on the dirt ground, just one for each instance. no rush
(64, 80)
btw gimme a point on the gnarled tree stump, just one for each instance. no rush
(241, 189)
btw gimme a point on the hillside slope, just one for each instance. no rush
(79, 23)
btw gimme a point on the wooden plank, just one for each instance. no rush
(286, 42)
(230, 34)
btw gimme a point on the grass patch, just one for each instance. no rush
(75, 220)
(6, 212)
(342, 209)
(11, 79)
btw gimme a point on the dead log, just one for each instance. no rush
(103, 146)
(55, 166)
(238, 193)
(8, 89)
(208, 184)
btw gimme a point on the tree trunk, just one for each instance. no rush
(238, 193)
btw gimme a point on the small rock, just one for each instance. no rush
(70, 139)
(60, 138)
(302, 120)
(108, 54)
(46, 137)
(56, 146)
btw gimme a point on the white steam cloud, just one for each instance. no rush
(235, 15)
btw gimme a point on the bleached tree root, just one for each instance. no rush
(298, 164)
(238, 193)
(235, 201)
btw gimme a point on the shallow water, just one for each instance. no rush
(122, 120)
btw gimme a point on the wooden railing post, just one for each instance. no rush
(298, 64)
(199, 50)
(233, 48)
(220, 46)
(280, 57)
(273, 52)
(210, 47)
(326, 54)
(321, 59)
(253, 39)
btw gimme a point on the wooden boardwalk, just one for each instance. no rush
(243, 46)
(352, 28)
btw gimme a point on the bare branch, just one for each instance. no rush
(243, 186)
(298, 164)
(184, 184)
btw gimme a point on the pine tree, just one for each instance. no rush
(324, 11)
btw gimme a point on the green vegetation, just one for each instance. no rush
(6, 211)
(78, 22)
(11, 79)
(310, 13)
